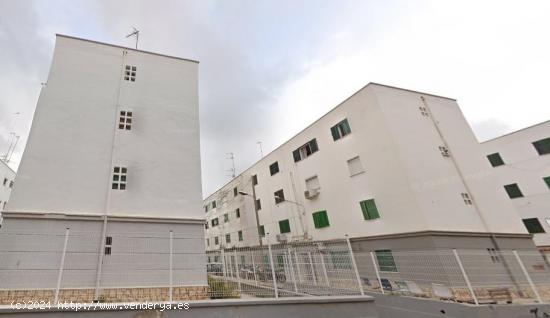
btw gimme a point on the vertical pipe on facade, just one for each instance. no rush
(108, 194)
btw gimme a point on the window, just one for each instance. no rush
(11, 184)
(5, 181)
(444, 151)
(386, 263)
(227, 238)
(107, 250)
(542, 146)
(533, 225)
(355, 166)
(108, 240)
(215, 222)
(213, 204)
(206, 226)
(494, 255)
(240, 234)
(370, 211)
(226, 218)
(262, 231)
(340, 130)
(466, 198)
(235, 192)
(243, 259)
(130, 73)
(216, 241)
(284, 226)
(340, 260)
(279, 196)
(238, 213)
(513, 191)
(258, 204)
(547, 180)
(305, 151)
(119, 178)
(313, 183)
(424, 111)
(254, 180)
(274, 168)
(125, 120)
(495, 159)
(207, 242)
(205, 208)
(320, 219)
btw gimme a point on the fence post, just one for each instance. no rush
(171, 265)
(465, 276)
(61, 265)
(312, 269)
(375, 264)
(296, 261)
(527, 276)
(290, 263)
(253, 267)
(324, 267)
(273, 277)
(355, 266)
(223, 263)
(237, 269)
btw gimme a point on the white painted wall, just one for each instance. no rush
(414, 186)
(7, 177)
(524, 166)
(74, 141)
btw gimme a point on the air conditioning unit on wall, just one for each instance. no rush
(311, 194)
(281, 238)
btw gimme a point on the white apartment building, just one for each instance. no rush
(391, 168)
(7, 176)
(521, 161)
(111, 168)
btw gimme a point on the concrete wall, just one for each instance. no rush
(524, 166)
(31, 251)
(74, 141)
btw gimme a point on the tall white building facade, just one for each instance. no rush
(7, 177)
(390, 168)
(521, 162)
(111, 177)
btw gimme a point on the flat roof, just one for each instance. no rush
(125, 47)
(318, 119)
(517, 131)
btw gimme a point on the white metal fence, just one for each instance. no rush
(172, 266)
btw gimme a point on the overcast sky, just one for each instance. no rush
(270, 68)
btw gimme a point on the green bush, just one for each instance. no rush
(220, 289)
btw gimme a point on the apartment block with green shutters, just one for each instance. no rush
(521, 162)
(389, 168)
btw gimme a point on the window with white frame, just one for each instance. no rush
(466, 198)
(119, 178)
(125, 120)
(355, 166)
(130, 73)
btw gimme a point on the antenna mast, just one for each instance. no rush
(232, 158)
(261, 150)
(12, 140)
(136, 33)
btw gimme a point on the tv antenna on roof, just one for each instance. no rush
(136, 33)
(232, 158)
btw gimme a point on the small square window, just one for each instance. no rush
(119, 178)
(466, 198)
(125, 120)
(513, 191)
(240, 233)
(495, 159)
(274, 168)
(130, 73)
(279, 196)
(107, 250)
(227, 238)
(355, 166)
(262, 231)
(340, 130)
(284, 226)
(258, 204)
(254, 180)
(542, 146)
(108, 240)
(320, 219)
(547, 181)
(533, 226)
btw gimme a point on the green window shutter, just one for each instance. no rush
(513, 191)
(542, 146)
(547, 180)
(313, 145)
(495, 159)
(296, 155)
(284, 226)
(227, 238)
(262, 231)
(240, 233)
(320, 219)
(335, 133)
(345, 127)
(370, 211)
(533, 226)
(386, 262)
